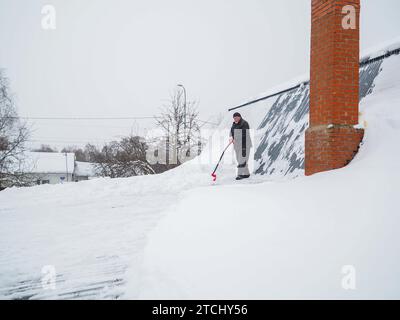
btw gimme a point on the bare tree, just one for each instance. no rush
(45, 148)
(181, 130)
(125, 158)
(13, 136)
(79, 153)
(91, 152)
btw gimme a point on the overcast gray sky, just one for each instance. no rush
(116, 58)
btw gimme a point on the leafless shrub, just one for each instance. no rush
(124, 158)
(13, 136)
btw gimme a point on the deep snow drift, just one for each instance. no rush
(91, 232)
(176, 235)
(291, 239)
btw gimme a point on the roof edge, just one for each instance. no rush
(382, 52)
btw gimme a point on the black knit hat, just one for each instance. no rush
(237, 114)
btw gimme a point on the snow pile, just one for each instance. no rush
(177, 235)
(290, 239)
(91, 232)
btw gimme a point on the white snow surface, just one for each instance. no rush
(381, 49)
(179, 236)
(370, 53)
(292, 239)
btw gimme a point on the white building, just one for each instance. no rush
(55, 168)
(51, 167)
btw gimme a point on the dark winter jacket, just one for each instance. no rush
(241, 130)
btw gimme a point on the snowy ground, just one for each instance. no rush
(177, 236)
(91, 232)
(293, 239)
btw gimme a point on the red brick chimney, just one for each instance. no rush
(332, 139)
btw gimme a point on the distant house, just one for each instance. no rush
(55, 168)
(51, 167)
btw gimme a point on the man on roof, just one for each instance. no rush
(240, 137)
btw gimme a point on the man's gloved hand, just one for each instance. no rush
(231, 140)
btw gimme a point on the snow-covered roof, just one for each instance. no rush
(281, 117)
(368, 54)
(84, 169)
(51, 162)
(381, 49)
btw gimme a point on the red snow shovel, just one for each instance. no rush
(214, 175)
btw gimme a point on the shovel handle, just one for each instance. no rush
(222, 155)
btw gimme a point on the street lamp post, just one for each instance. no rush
(66, 165)
(185, 115)
(186, 135)
(184, 105)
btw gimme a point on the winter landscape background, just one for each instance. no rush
(178, 235)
